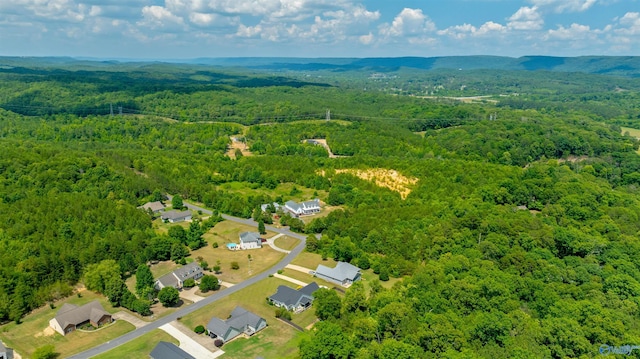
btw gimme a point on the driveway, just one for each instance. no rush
(299, 268)
(137, 322)
(289, 279)
(272, 243)
(190, 294)
(189, 345)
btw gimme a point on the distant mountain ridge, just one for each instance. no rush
(628, 66)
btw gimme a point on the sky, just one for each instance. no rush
(184, 29)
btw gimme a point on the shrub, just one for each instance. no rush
(218, 343)
(280, 271)
(189, 283)
(235, 265)
(199, 329)
(283, 313)
(214, 244)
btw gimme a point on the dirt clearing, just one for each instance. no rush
(382, 177)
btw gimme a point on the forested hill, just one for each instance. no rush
(628, 66)
(516, 233)
(620, 66)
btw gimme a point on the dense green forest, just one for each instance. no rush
(520, 238)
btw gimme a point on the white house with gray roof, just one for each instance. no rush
(70, 317)
(177, 277)
(292, 299)
(176, 216)
(343, 274)
(303, 208)
(5, 353)
(250, 240)
(240, 322)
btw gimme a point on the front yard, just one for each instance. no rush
(278, 340)
(140, 347)
(34, 331)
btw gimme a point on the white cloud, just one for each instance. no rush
(562, 6)
(573, 32)
(526, 18)
(409, 22)
(366, 39)
(158, 17)
(462, 31)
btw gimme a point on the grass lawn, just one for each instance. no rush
(326, 209)
(140, 347)
(275, 341)
(633, 132)
(307, 278)
(34, 331)
(227, 232)
(286, 242)
(283, 189)
(311, 260)
(368, 276)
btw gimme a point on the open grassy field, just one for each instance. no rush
(311, 260)
(286, 242)
(307, 278)
(633, 132)
(228, 232)
(275, 341)
(34, 331)
(140, 347)
(283, 189)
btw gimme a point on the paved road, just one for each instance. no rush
(208, 300)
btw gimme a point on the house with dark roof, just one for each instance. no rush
(343, 273)
(165, 350)
(70, 317)
(240, 322)
(292, 299)
(177, 277)
(155, 207)
(303, 208)
(5, 353)
(250, 240)
(176, 216)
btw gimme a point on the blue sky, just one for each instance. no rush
(174, 29)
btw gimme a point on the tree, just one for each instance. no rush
(144, 279)
(141, 306)
(328, 304)
(156, 196)
(209, 282)
(283, 313)
(169, 296)
(178, 252)
(178, 233)
(217, 267)
(261, 228)
(328, 341)
(312, 243)
(355, 298)
(97, 275)
(176, 202)
(45, 352)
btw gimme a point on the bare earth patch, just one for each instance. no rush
(382, 177)
(236, 143)
(46, 333)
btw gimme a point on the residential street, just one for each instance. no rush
(208, 300)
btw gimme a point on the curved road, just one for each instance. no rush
(208, 300)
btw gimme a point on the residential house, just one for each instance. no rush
(343, 274)
(177, 277)
(165, 350)
(264, 207)
(155, 207)
(292, 299)
(250, 240)
(70, 317)
(5, 353)
(176, 216)
(240, 322)
(303, 208)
